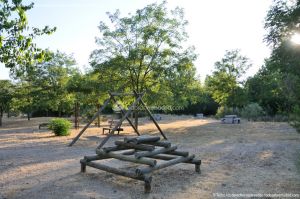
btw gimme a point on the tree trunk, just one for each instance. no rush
(76, 115)
(136, 115)
(1, 115)
(8, 112)
(28, 116)
(98, 118)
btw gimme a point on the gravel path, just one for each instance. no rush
(250, 158)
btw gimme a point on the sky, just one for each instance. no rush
(214, 27)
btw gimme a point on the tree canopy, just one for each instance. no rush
(144, 51)
(17, 48)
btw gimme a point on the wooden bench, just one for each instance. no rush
(112, 124)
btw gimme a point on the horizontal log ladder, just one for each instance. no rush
(147, 151)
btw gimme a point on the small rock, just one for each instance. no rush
(115, 191)
(223, 185)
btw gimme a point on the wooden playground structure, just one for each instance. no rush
(142, 150)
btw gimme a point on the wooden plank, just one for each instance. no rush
(146, 161)
(142, 147)
(91, 121)
(120, 122)
(146, 170)
(155, 152)
(142, 139)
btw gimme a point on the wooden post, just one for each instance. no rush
(153, 119)
(147, 186)
(83, 166)
(91, 121)
(120, 122)
(197, 168)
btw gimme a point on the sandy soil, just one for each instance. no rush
(249, 158)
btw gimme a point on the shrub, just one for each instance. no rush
(252, 111)
(295, 118)
(60, 126)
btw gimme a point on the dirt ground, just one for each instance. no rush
(249, 158)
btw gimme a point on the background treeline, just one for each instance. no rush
(145, 51)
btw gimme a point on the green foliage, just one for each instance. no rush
(282, 22)
(223, 84)
(60, 126)
(225, 110)
(6, 95)
(17, 51)
(295, 118)
(252, 111)
(267, 89)
(144, 52)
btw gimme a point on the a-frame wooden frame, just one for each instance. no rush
(125, 116)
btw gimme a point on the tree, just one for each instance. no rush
(44, 87)
(137, 52)
(17, 49)
(224, 84)
(6, 95)
(51, 78)
(267, 89)
(282, 22)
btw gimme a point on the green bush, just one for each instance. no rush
(295, 118)
(60, 126)
(252, 111)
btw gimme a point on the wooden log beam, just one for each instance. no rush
(146, 170)
(114, 170)
(142, 139)
(153, 119)
(165, 144)
(93, 158)
(179, 153)
(142, 147)
(113, 148)
(155, 152)
(146, 161)
(91, 121)
(168, 157)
